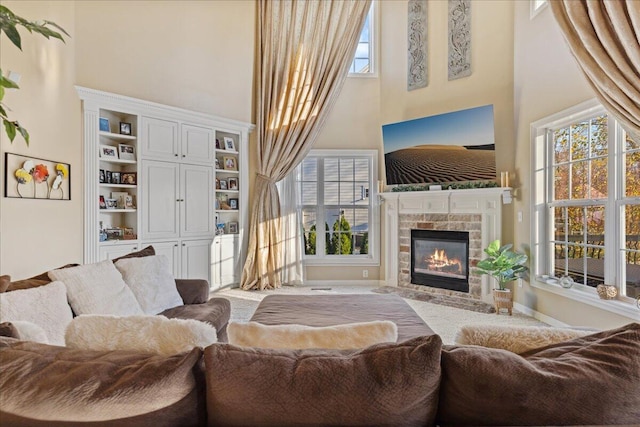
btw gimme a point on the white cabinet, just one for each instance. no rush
(170, 140)
(226, 267)
(177, 200)
(171, 250)
(190, 259)
(197, 144)
(117, 250)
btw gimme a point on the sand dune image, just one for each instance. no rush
(439, 164)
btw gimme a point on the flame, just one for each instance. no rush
(440, 260)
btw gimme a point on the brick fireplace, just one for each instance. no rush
(477, 212)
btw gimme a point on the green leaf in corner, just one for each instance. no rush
(10, 129)
(24, 133)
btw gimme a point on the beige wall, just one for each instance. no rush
(37, 235)
(547, 80)
(368, 103)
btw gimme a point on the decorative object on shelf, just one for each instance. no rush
(417, 41)
(229, 144)
(223, 184)
(217, 183)
(505, 266)
(129, 178)
(233, 227)
(108, 152)
(9, 23)
(125, 128)
(103, 202)
(114, 233)
(230, 163)
(566, 282)
(233, 204)
(128, 234)
(218, 163)
(104, 125)
(107, 177)
(126, 152)
(129, 202)
(219, 228)
(607, 291)
(233, 183)
(504, 179)
(115, 177)
(111, 203)
(48, 178)
(102, 176)
(217, 144)
(120, 196)
(459, 39)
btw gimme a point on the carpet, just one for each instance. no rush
(449, 301)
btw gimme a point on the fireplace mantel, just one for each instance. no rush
(485, 202)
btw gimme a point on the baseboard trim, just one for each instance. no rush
(541, 317)
(337, 283)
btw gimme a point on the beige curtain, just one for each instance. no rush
(604, 36)
(305, 48)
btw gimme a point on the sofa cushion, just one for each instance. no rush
(215, 312)
(29, 331)
(386, 384)
(97, 289)
(46, 306)
(32, 282)
(347, 336)
(589, 380)
(151, 334)
(64, 387)
(151, 280)
(5, 281)
(517, 339)
(148, 251)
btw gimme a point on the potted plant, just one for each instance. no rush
(505, 266)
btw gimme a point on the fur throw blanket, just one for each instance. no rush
(149, 334)
(347, 336)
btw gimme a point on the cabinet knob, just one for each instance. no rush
(176, 245)
(135, 248)
(184, 244)
(184, 155)
(176, 154)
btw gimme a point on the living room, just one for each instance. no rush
(200, 56)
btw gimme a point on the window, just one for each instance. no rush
(363, 61)
(587, 200)
(337, 206)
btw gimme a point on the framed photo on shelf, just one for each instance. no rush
(111, 203)
(223, 184)
(120, 197)
(218, 147)
(104, 125)
(230, 163)
(108, 152)
(103, 203)
(125, 128)
(107, 177)
(233, 204)
(233, 183)
(129, 178)
(217, 183)
(115, 177)
(129, 202)
(229, 144)
(218, 163)
(233, 227)
(127, 152)
(101, 176)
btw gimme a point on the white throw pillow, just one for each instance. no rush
(45, 306)
(151, 281)
(347, 336)
(97, 289)
(516, 339)
(28, 331)
(149, 334)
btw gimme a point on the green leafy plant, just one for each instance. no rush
(502, 263)
(9, 23)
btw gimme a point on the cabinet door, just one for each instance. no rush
(171, 250)
(196, 209)
(225, 260)
(160, 200)
(159, 139)
(115, 251)
(196, 259)
(197, 145)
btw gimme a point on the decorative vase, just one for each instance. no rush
(502, 299)
(607, 291)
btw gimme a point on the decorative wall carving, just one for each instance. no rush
(459, 39)
(417, 76)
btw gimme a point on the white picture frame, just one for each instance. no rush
(126, 152)
(229, 144)
(108, 152)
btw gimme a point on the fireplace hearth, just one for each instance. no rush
(440, 259)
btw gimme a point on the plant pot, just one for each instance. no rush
(502, 298)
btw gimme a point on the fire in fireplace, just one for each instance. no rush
(440, 258)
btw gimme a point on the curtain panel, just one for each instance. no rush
(604, 37)
(305, 48)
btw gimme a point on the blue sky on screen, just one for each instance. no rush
(473, 126)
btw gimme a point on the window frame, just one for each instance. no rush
(373, 257)
(537, 6)
(541, 191)
(374, 43)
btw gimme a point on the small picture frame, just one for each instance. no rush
(127, 152)
(114, 233)
(223, 184)
(233, 183)
(120, 197)
(218, 147)
(129, 178)
(107, 177)
(217, 183)
(111, 203)
(115, 177)
(229, 163)
(108, 152)
(218, 163)
(102, 177)
(229, 144)
(233, 227)
(125, 128)
(233, 204)
(104, 125)
(103, 202)
(129, 202)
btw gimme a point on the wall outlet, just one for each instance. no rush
(365, 273)
(519, 282)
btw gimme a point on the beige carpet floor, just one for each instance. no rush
(444, 320)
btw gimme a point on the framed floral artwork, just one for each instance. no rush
(32, 178)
